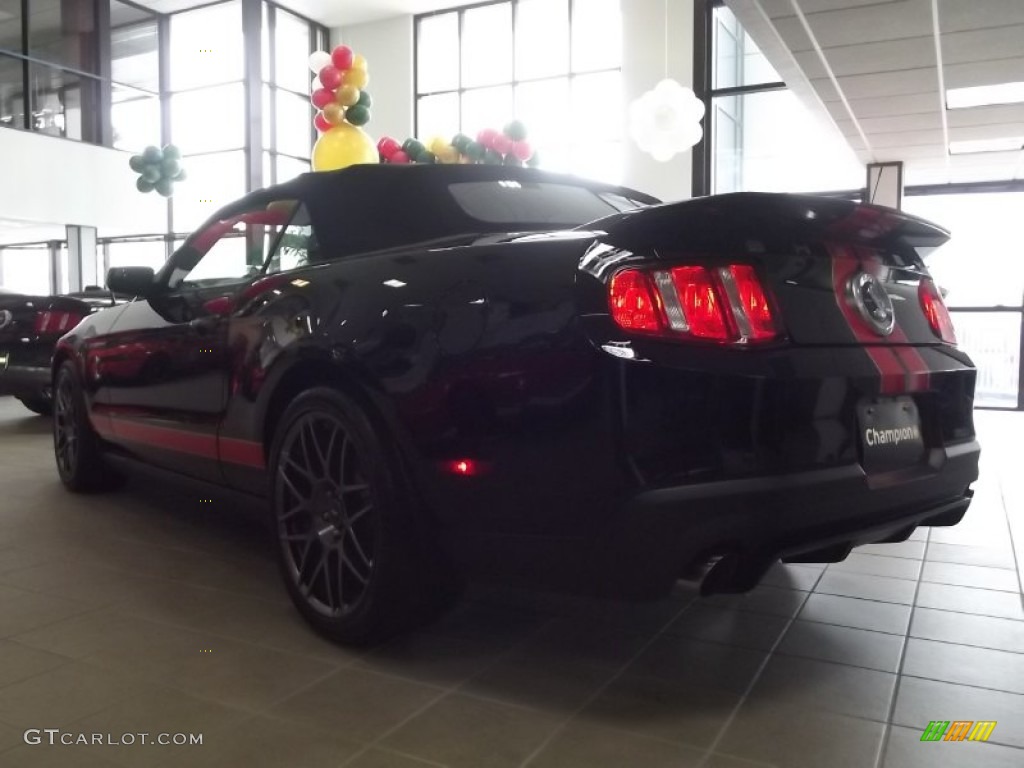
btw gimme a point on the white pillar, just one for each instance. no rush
(83, 260)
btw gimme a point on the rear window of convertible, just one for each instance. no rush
(511, 202)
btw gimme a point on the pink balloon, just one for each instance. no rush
(486, 137)
(342, 57)
(321, 123)
(522, 151)
(399, 157)
(321, 98)
(501, 144)
(387, 147)
(330, 77)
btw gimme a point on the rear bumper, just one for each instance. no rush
(658, 533)
(24, 372)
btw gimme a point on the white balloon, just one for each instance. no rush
(666, 120)
(315, 84)
(318, 60)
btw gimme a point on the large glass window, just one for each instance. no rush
(554, 64)
(760, 136)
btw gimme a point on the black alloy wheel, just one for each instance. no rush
(76, 447)
(350, 541)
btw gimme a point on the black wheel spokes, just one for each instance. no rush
(66, 429)
(324, 516)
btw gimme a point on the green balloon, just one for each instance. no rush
(516, 130)
(152, 155)
(142, 185)
(475, 151)
(136, 163)
(181, 175)
(534, 160)
(492, 158)
(357, 115)
(171, 152)
(413, 148)
(461, 142)
(426, 157)
(165, 187)
(152, 173)
(169, 167)
(365, 100)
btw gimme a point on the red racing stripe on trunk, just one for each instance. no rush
(845, 265)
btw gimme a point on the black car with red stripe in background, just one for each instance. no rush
(436, 372)
(29, 329)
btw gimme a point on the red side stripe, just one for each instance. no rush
(245, 453)
(845, 264)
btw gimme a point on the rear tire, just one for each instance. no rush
(351, 551)
(76, 446)
(38, 404)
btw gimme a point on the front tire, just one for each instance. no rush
(76, 446)
(348, 548)
(38, 404)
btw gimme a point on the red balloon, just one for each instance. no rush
(522, 151)
(342, 57)
(321, 98)
(321, 123)
(501, 144)
(330, 77)
(387, 147)
(486, 137)
(399, 157)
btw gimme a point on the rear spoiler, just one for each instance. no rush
(706, 221)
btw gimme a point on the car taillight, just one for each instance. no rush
(935, 310)
(632, 300)
(723, 304)
(51, 321)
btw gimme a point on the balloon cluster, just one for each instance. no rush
(338, 88)
(158, 169)
(506, 147)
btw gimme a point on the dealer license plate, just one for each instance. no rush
(890, 434)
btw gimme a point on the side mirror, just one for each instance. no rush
(133, 281)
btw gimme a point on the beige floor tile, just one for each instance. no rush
(912, 549)
(796, 684)
(19, 662)
(801, 738)
(267, 742)
(967, 629)
(843, 645)
(879, 565)
(990, 557)
(57, 756)
(580, 746)
(964, 664)
(31, 610)
(763, 599)
(532, 680)
(10, 738)
(464, 732)
(384, 758)
(971, 600)
(867, 587)
(356, 703)
(729, 626)
(855, 612)
(62, 695)
(727, 761)
(971, 576)
(683, 661)
(662, 710)
(586, 641)
(16, 558)
(918, 702)
(906, 750)
(793, 576)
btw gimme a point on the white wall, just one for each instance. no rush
(388, 48)
(54, 181)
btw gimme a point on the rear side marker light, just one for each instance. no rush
(935, 310)
(724, 304)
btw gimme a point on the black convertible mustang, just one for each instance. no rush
(443, 371)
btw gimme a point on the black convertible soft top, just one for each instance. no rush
(372, 207)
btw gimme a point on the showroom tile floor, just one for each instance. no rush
(152, 611)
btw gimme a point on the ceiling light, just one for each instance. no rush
(393, 283)
(1006, 144)
(983, 95)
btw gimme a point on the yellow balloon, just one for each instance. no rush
(342, 146)
(447, 154)
(347, 95)
(333, 113)
(359, 62)
(356, 77)
(436, 144)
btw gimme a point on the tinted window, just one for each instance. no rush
(514, 202)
